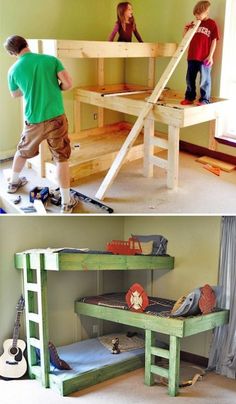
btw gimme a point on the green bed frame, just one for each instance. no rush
(36, 263)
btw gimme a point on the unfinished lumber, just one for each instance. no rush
(146, 110)
(216, 163)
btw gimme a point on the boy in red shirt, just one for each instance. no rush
(200, 55)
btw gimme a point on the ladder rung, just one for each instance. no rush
(157, 141)
(32, 287)
(157, 161)
(162, 353)
(157, 370)
(35, 342)
(33, 317)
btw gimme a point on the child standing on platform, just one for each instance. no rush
(125, 24)
(200, 55)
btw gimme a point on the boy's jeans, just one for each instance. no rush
(194, 66)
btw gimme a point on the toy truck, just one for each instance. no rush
(130, 247)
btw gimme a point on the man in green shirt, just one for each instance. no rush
(40, 80)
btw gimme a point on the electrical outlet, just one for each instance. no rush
(95, 116)
(95, 330)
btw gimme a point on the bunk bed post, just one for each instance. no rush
(100, 68)
(148, 147)
(174, 363)
(173, 157)
(151, 72)
(149, 358)
(43, 320)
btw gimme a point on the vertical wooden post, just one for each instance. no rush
(174, 362)
(77, 114)
(148, 147)
(100, 83)
(43, 320)
(149, 358)
(173, 157)
(151, 72)
(215, 130)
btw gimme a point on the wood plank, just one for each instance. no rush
(90, 262)
(105, 49)
(108, 180)
(149, 358)
(216, 163)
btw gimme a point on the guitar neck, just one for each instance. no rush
(16, 329)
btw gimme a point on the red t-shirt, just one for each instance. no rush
(200, 45)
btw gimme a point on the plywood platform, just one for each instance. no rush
(94, 150)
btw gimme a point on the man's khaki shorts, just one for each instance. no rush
(54, 130)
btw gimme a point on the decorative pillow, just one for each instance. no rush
(207, 301)
(187, 305)
(54, 358)
(159, 243)
(136, 298)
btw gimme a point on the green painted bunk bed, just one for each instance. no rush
(36, 263)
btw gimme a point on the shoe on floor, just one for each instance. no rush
(14, 186)
(186, 102)
(68, 207)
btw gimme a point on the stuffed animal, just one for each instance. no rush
(115, 346)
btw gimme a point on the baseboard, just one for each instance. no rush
(204, 151)
(196, 359)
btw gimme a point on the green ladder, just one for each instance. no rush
(173, 355)
(35, 291)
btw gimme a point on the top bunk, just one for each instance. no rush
(83, 260)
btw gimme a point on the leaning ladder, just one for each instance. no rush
(173, 356)
(35, 291)
(136, 129)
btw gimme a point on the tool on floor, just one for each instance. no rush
(55, 199)
(214, 170)
(40, 193)
(29, 209)
(17, 200)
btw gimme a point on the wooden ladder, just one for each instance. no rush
(36, 316)
(136, 129)
(173, 356)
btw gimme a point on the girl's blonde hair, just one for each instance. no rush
(121, 14)
(201, 7)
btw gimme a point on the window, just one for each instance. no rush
(228, 79)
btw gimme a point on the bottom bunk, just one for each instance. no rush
(155, 318)
(91, 362)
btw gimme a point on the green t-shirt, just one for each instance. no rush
(35, 75)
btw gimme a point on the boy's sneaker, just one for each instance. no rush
(186, 102)
(14, 186)
(68, 207)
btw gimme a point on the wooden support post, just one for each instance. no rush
(215, 131)
(108, 180)
(151, 72)
(148, 147)
(100, 83)
(173, 157)
(77, 114)
(43, 320)
(149, 358)
(174, 363)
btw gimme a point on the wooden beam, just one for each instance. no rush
(146, 110)
(99, 49)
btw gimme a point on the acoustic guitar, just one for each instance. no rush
(12, 362)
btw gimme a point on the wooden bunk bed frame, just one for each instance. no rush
(36, 263)
(129, 99)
